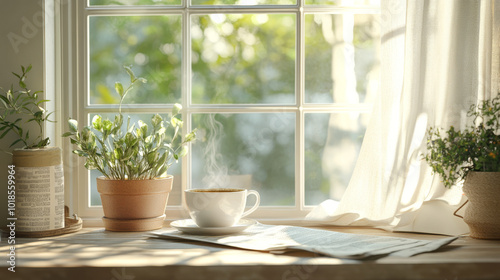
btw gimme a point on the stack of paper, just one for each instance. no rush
(329, 243)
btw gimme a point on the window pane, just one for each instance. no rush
(254, 151)
(175, 170)
(348, 3)
(243, 59)
(151, 43)
(332, 144)
(342, 58)
(134, 2)
(243, 2)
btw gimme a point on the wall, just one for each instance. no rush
(21, 43)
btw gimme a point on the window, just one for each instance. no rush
(279, 90)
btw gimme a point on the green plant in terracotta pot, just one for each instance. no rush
(472, 155)
(134, 160)
(22, 122)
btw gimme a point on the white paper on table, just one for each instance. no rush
(329, 243)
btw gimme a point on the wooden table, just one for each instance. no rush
(94, 253)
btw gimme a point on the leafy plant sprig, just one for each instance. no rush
(455, 153)
(130, 152)
(23, 102)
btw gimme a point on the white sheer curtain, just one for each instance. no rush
(437, 59)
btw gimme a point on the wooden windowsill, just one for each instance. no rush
(94, 253)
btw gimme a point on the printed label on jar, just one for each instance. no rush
(40, 198)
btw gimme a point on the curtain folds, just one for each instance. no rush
(437, 59)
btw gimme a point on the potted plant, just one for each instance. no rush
(472, 156)
(133, 161)
(36, 171)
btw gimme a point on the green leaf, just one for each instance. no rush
(90, 165)
(118, 153)
(47, 117)
(97, 122)
(152, 158)
(73, 125)
(117, 124)
(42, 101)
(67, 134)
(161, 131)
(156, 120)
(176, 122)
(130, 140)
(80, 153)
(5, 101)
(9, 96)
(5, 132)
(162, 171)
(15, 142)
(86, 134)
(44, 142)
(130, 73)
(190, 136)
(119, 88)
(107, 125)
(163, 158)
(183, 151)
(143, 127)
(177, 108)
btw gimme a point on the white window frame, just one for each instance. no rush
(71, 45)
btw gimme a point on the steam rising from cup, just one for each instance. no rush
(216, 171)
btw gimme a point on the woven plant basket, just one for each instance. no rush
(483, 212)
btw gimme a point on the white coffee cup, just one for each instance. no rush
(222, 207)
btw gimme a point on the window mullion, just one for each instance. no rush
(83, 81)
(186, 169)
(300, 157)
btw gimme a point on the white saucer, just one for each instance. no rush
(188, 226)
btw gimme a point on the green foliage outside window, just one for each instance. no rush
(235, 59)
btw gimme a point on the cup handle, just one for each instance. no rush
(257, 202)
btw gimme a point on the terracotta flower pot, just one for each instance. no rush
(134, 205)
(483, 212)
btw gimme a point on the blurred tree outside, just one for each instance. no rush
(152, 44)
(250, 59)
(257, 146)
(243, 59)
